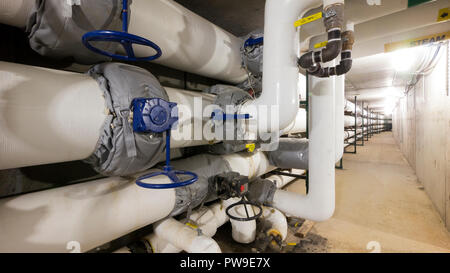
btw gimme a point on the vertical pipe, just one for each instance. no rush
(319, 203)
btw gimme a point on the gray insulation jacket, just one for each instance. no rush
(120, 151)
(56, 27)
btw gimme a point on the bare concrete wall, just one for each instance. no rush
(421, 126)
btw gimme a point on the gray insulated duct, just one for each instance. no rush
(227, 96)
(121, 151)
(55, 28)
(292, 153)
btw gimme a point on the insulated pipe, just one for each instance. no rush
(16, 12)
(49, 116)
(277, 220)
(184, 237)
(319, 203)
(86, 214)
(333, 20)
(188, 41)
(282, 180)
(281, 46)
(298, 125)
(339, 117)
(206, 219)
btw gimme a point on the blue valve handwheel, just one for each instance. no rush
(172, 174)
(125, 39)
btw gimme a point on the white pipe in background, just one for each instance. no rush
(89, 214)
(47, 116)
(184, 237)
(281, 49)
(277, 220)
(319, 203)
(16, 12)
(188, 41)
(339, 117)
(282, 180)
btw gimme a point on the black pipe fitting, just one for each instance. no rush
(328, 53)
(344, 66)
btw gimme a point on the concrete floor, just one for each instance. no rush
(380, 205)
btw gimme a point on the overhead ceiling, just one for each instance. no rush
(376, 25)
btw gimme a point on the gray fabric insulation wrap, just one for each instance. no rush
(252, 61)
(55, 28)
(228, 95)
(206, 167)
(119, 150)
(292, 153)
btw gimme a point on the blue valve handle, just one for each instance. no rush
(123, 37)
(169, 172)
(251, 41)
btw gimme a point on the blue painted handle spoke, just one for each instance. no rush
(124, 38)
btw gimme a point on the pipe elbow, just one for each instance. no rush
(323, 215)
(331, 51)
(306, 60)
(344, 67)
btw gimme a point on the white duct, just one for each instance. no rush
(319, 203)
(281, 75)
(85, 215)
(50, 116)
(184, 237)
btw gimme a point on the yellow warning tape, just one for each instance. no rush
(444, 14)
(191, 225)
(250, 147)
(291, 244)
(322, 44)
(308, 19)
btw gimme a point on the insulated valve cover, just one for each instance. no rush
(153, 115)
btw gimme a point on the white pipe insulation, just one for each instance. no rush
(280, 70)
(16, 12)
(339, 117)
(95, 212)
(50, 116)
(47, 115)
(188, 41)
(319, 203)
(184, 237)
(282, 180)
(87, 214)
(208, 220)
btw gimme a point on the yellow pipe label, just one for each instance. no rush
(322, 44)
(417, 41)
(308, 19)
(444, 14)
